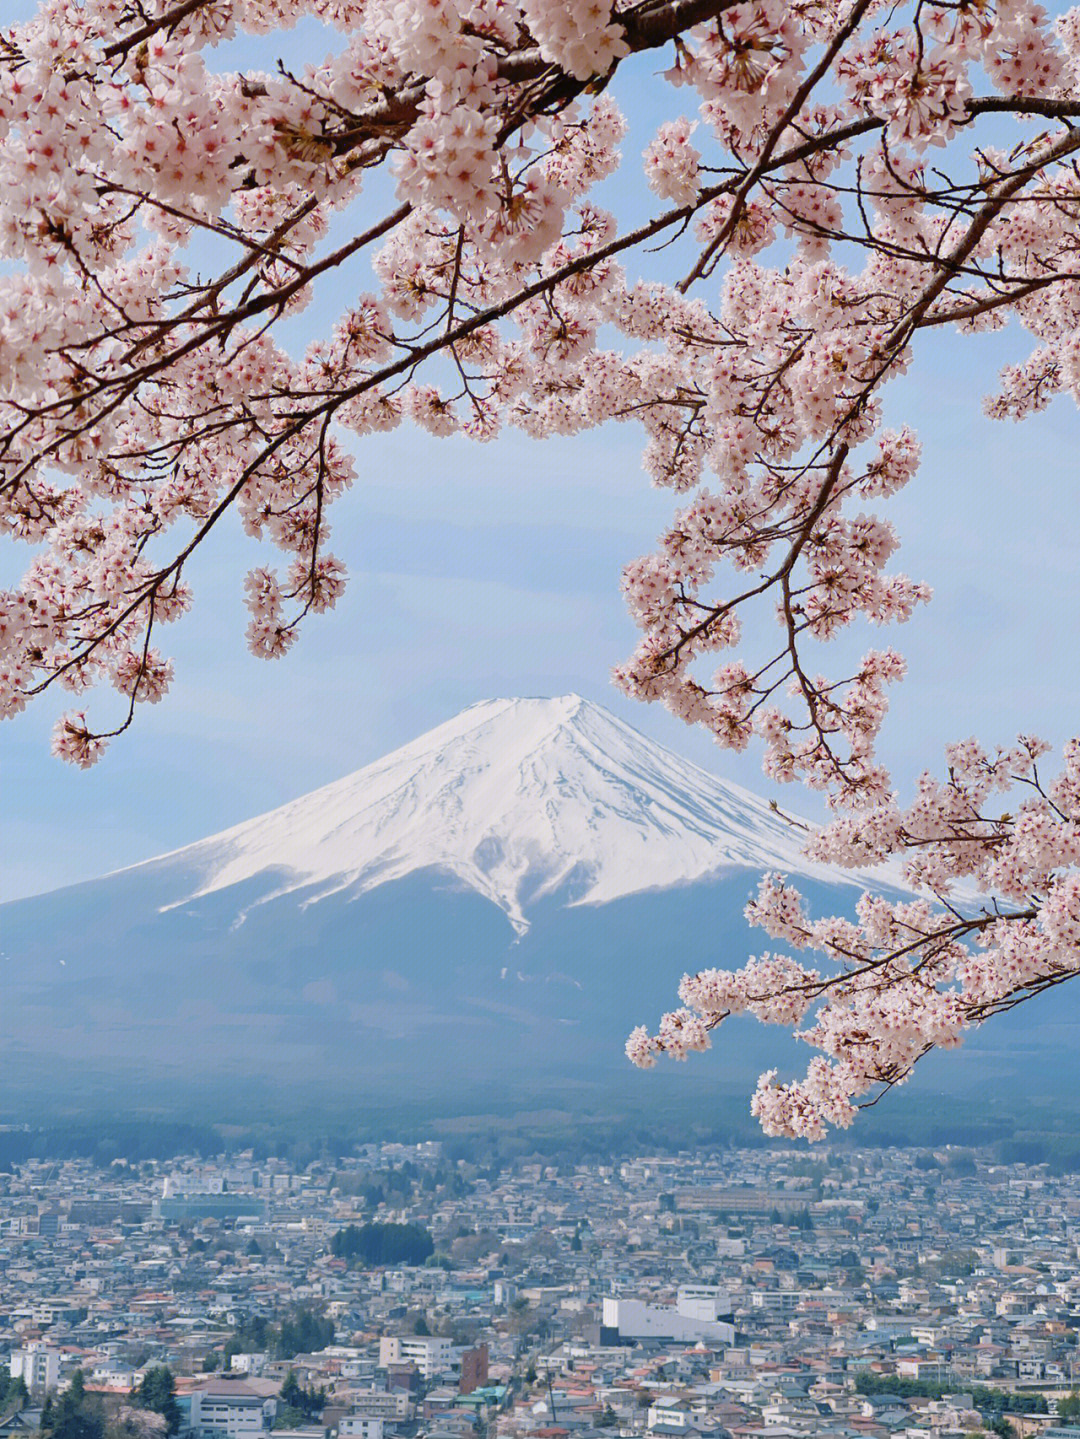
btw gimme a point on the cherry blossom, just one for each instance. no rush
(831, 182)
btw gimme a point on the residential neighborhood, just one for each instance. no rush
(741, 1294)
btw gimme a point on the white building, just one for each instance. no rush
(356, 1426)
(247, 1363)
(38, 1366)
(701, 1312)
(775, 1301)
(431, 1353)
(393, 1405)
(671, 1413)
(235, 1408)
(111, 1374)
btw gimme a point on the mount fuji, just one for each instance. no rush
(487, 910)
(519, 800)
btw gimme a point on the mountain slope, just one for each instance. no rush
(519, 799)
(480, 918)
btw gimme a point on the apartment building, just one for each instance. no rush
(431, 1353)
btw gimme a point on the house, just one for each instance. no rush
(235, 1408)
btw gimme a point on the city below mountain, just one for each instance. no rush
(479, 917)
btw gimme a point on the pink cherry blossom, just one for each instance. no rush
(832, 181)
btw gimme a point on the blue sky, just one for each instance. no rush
(494, 570)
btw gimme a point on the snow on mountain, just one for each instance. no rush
(517, 798)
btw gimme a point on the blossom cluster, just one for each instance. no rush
(145, 395)
(908, 974)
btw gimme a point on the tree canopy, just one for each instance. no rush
(302, 1331)
(75, 1415)
(157, 1392)
(380, 1244)
(13, 1391)
(307, 1403)
(831, 183)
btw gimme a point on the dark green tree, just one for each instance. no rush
(158, 1392)
(382, 1244)
(303, 1331)
(288, 1417)
(299, 1401)
(76, 1415)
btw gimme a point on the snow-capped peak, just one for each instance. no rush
(517, 798)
